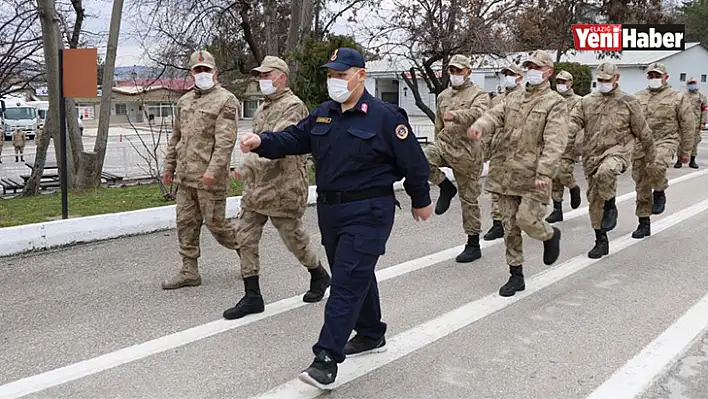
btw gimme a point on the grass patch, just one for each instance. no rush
(18, 211)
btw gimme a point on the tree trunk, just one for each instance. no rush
(271, 16)
(51, 38)
(301, 17)
(93, 176)
(412, 84)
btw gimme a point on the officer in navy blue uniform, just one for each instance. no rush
(361, 146)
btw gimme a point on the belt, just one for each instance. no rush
(341, 197)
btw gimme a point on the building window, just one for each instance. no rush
(121, 109)
(682, 77)
(164, 110)
(703, 78)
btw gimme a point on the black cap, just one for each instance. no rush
(345, 58)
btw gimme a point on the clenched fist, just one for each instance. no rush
(250, 142)
(476, 134)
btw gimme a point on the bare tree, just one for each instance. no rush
(20, 46)
(428, 32)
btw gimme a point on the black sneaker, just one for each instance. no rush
(321, 373)
(360, 345)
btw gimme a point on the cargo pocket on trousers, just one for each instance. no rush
(369, 245)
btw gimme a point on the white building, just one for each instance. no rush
(384, 80)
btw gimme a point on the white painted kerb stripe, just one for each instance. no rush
(110, 360)
(641, 372)
(440, 327)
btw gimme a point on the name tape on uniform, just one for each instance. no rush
(619, 37)
(323, 119)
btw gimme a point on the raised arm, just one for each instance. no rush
(410, 159)
(555, 140)
(576, 123)
(293, 140)
(225, 132)
(491, 120)
(466, 117)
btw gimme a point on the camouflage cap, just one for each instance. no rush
(513, 68)
(271, 63)
(658, 68)
(201, 58)
(460, 61)
(691, 80)
(539, 58)
(607, 71)
(564, 75)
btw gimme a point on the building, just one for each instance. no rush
(385, 82)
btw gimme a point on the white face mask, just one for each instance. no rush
(562, 88)
(604, 87)
(534, 77)
(204, 80)
(654, 83)
(266, 87)
(457, 80)
(510, 82)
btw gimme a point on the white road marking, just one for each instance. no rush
(638, 374)
(75, 371)
(440, 327)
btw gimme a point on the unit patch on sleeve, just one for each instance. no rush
(401, 132)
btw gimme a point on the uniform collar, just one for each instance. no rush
(271, 99)
(568, 93)
(361, 106)
(543, 87)
(466, 84)
(200, 92)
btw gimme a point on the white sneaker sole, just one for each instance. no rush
(307, 379)
(369, 352)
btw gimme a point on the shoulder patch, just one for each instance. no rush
(401, 132)
(323, 119)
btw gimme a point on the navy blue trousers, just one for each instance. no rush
(354, 235)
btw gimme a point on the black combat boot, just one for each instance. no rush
(471, 252)
(447, 192)
(693, 163)
(557, 214)
(251, 303)
(22, 158)
(551, 248)
(609, 216)
(602, 245)
(516, 282)
(659, 203)
(644, 228)
(17, 159)
(319, 282)
(321, 373)
(678, 164)
(497, 231)
(575, 198)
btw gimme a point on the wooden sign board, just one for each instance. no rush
(80, 72)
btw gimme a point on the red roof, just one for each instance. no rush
(169, 84)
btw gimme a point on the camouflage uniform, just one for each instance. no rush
(611, 122)
(529, 134)
(671, 120)
(18, 141)
(275, 189)
(497, 229)
(202, 140)
(453, 148)
(699, 105)
(565, 176)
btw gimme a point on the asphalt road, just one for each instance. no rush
(90, 321)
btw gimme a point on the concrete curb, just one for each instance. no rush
(38, 236)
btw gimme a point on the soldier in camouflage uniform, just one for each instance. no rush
(699, 105)
(612, 120)
(198, 158)
(512, 83)
(457, 108)
(276, 190)
(18, 141)
(565, 178)
(529, 135)
(670, 117)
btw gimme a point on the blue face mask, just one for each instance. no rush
(692, 87)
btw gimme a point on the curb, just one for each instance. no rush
(40, 236)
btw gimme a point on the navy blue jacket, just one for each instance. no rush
(370, 145)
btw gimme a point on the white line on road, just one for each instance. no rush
(440, 327)
(71, 372)
(641, 372)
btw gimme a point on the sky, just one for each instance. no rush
(130, 52)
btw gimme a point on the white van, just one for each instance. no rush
(17, 114)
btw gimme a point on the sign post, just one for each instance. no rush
(78, 71)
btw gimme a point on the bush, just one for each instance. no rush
(582, 76)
